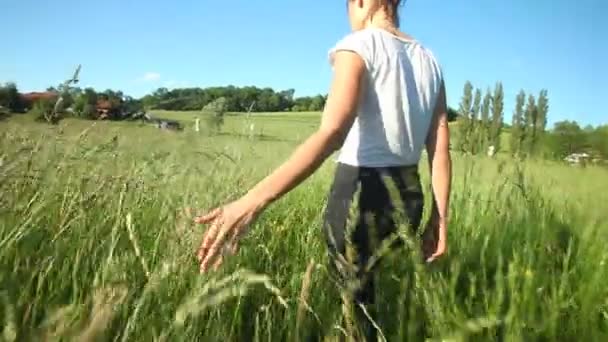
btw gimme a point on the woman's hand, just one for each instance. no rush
(434, 240)
(227, 225)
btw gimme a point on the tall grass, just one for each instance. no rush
(97, 242)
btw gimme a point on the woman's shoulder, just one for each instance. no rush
(369, 43)
(372, 39)
(361, 36)
(360, 42)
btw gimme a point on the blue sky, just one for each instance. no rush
(138, 46)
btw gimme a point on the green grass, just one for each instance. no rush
(95, 242)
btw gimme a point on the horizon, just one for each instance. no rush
(279, 48)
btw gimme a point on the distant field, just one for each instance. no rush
(95, 241)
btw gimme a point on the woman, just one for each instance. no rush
(386, 103)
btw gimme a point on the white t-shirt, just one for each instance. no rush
(398, 99)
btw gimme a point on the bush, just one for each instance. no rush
(10, 98)
(214, 114)
(43, 111)
(88, 112)
(4, 113)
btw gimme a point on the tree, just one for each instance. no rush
(317, 103)
(567, 138)
(542, 109)
(517, 129)
(131, 105)
(529, 131)
(10, 98)
(64, 100)
(309, 104)
(475, 129)
(84, 105)
(497, 102)
(452, 114)
(214, 113)
(44, 111)
(485, 125)
(598, 141)
(465, 124)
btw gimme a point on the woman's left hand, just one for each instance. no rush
(227, 224)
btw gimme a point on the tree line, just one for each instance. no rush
(529, 124)
(481, 123)
(83, 102)
(237, 99)
(480, 115)
(568, 138)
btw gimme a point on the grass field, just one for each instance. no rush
(96, 242)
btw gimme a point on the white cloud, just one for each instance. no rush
(150, 77)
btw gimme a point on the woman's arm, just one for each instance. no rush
(440, 164)
(338, 117)
(230, 221)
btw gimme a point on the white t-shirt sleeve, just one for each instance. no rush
(357, 43)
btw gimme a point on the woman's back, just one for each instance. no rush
(398, 99)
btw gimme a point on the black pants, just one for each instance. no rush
(359, 218)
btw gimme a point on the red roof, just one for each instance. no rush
(35, 96)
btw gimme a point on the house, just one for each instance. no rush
(29, 99)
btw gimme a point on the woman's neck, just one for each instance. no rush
(384, 22)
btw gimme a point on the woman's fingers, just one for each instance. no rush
(215, 255)
(209, 217)
(216, 247)
(208, 239)
(227, 225)
(439, 251)
(432, 257)
(234, 240)
(214, 218)
(234, 247)
(218, 263)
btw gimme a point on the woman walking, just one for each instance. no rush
(386, 104)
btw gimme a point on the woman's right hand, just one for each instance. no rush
(434, 240)
(227, 225)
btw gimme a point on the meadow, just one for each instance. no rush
(97, 242)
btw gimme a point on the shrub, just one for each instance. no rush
(43, 111)
(88, 112)
(214, 114)
(10, 98)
